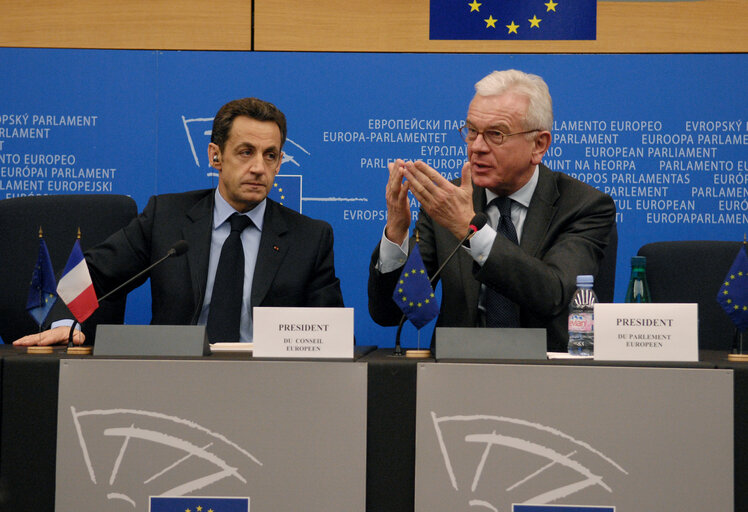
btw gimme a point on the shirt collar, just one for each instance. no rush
(223, 210)
(523, 195)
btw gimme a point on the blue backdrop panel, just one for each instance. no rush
(665, 135)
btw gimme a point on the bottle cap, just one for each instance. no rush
(585, 280)
(639, 261)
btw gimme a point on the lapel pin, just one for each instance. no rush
(276, 248)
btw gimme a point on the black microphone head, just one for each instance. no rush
(477, 222)
(180, 248)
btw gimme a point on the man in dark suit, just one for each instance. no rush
(545, 227)
(287, 257)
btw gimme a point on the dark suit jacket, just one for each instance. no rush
(294, 263)
(565, 232)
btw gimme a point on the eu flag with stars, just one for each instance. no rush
(43, 289)
(287, 191)
(733, 295)
(561, 508)
(513, 20)
(413, 293)
(197, 504)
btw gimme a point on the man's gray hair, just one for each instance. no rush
(540, 108)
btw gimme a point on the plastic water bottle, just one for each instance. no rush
(581, 318)
(638, 289)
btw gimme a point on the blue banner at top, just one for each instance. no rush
(513, 19)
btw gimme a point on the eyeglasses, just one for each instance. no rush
(492, 136)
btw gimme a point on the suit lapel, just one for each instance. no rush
(197, 233)
(540, 213)
(271, 252)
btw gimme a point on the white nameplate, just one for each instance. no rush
(303, 332)
(646, 332)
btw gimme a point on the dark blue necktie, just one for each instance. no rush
(226, 299)
(500, 311)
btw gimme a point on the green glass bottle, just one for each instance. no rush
(638, 290)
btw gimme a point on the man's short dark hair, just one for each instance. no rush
(250, 107)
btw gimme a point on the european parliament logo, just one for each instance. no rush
(541, 468)
(510, 20)
(134, 456)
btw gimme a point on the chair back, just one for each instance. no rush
(693, 271)
(60, 216)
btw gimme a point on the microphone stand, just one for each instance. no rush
(475, 224)
(178, 249)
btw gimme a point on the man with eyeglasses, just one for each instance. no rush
(544, 228)
(245, 249)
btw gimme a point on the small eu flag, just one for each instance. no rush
(513, 20)
(733, 295)
(413, 293)
(198, 504)
(43, 289)
(560, 508)
(287, 191)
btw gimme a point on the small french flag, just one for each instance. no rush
(75, 287)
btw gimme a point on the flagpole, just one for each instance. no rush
(72, 348)
(75, 322)
(41, 290)
(738, 333)
(72, 332)
(39, 304)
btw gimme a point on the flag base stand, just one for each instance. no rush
(80, 350)
(420, 354)
(743, 358)
(40, 349)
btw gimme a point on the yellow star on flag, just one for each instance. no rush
(534, 22)
(512, 28)
(551, 5)
(490, 21)
(475, 6)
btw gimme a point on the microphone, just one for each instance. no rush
(476, 223)
(177, 249)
